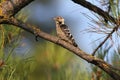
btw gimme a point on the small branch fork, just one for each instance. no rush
(9, 19)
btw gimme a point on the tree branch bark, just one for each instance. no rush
(11, 7)
(95, 9)
(9, 19)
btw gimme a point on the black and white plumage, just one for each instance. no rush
(63, 31)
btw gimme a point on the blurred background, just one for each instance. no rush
(26, 59)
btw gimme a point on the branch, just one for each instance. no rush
(11, 7)
(95, 9)
(108, 36)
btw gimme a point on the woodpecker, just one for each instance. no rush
(63, 31)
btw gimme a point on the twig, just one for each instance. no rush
(109, 35)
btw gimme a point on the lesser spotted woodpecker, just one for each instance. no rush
(63, 32)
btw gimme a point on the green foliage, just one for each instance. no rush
(57, 63)
(8, 35)
(49, 62)
(15, 69)
(114, 4)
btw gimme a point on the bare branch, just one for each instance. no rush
(100, 45)
(95, 9)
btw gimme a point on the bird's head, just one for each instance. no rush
(59, 20)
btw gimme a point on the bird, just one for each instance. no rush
(63, 31)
